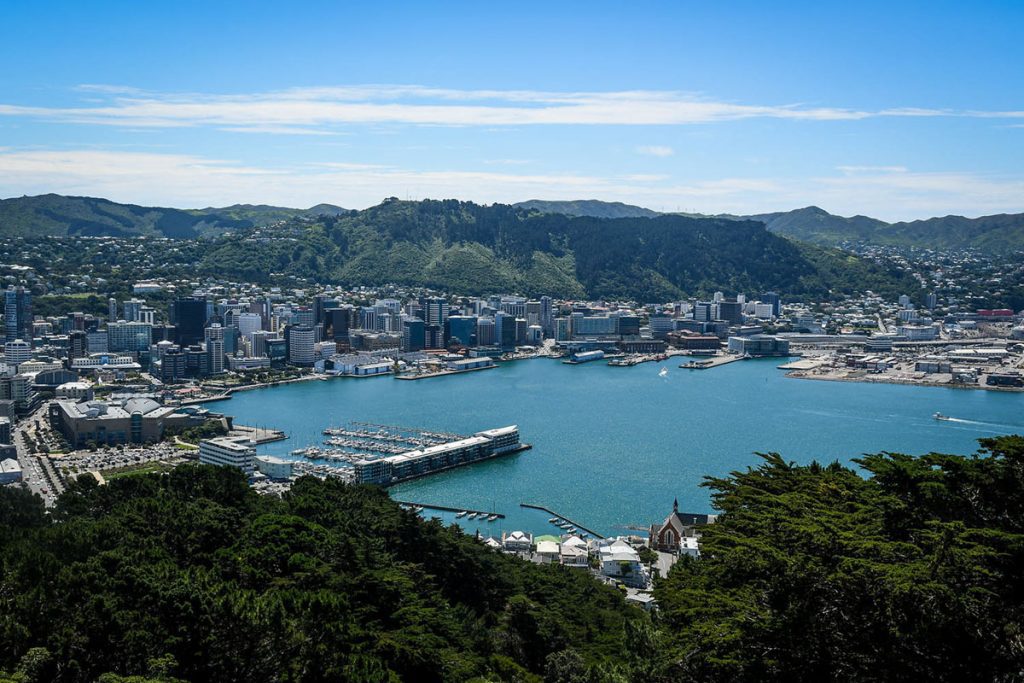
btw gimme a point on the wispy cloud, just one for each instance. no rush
(305, 110)
(890, 193)
(656, 150)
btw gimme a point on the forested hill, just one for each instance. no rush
(908, 570)
(467, 248)
(54, 214)
(997, 233)
(593, 208)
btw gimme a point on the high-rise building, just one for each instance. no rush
(78, 345)
(702, 311)
(339, 321)
(300, 340)
(505, 330)
(259, 343)
(215, 351)
(435, 311)
(111, 308)
(248, 324)
(18, 314)
(413, 335)
(547, 320)
(485, 332)
(16, 352)
(462, 330)
(773, 299)
(433, 337)
(189, 316)
(129, 336)
(730, 311)
(133, 310)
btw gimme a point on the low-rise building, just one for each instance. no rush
(10, 471)
(129, 420)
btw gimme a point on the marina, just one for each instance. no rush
(625, 441)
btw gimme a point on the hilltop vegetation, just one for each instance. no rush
(468, 248)
(993, 234)
(812, 573)
(54, 214)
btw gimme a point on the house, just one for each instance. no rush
(669, 535)
(620, 561)
(517, 541)
(574, 556)
(548, 550)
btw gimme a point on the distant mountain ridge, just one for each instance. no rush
(467, 248)
(1000, 232)
(53, 214)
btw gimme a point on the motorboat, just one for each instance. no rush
(940, 416)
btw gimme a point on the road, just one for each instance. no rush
(37, 472)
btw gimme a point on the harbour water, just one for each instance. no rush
(612, 447)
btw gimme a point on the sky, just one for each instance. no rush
(897, 110)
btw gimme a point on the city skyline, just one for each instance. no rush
(672, 108)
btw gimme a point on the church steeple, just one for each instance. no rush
(675, 505)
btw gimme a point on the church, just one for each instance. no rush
(677, 534)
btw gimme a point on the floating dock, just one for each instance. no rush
(444, 508)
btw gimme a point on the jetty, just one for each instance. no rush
(445, 508)
(259, 435)
(708, 362)
(551, 512)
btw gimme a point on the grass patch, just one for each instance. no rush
(144, 468)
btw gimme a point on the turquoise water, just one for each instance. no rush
(612, 447)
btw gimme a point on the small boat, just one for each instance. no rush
(663, 372)
(491, 518)
(471, 515)
(461, 514)
(940, 416)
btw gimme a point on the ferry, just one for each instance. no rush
(940, 416)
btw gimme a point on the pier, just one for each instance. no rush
(444, 508)
(706, 363)
(562, 517)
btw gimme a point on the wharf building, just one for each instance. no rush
(395, 468)
(759, 345)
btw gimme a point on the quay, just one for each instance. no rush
(444, 508)
(706, 363)
(561, 517)
(442, 373)
(259, 435)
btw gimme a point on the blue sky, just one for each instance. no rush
(899, 112)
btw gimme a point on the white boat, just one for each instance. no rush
(471, 515)
(663, 372)
(461, 514)
(940, 416)
(491, 518)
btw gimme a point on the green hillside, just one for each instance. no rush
(54, 214)
(467, 248)
(994, 234)
(593, 208)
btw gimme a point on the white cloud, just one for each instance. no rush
(322, 108)
(890, 193)
(656, 150)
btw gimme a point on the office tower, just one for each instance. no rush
(462, 330)
(485, 332)
(299, 343)
(111, 308)
(547, 320)
(18, 314)
(189, 316)
(776, 303)
(248, 324)
(338, 322)
(413, 335)
(435, 311)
